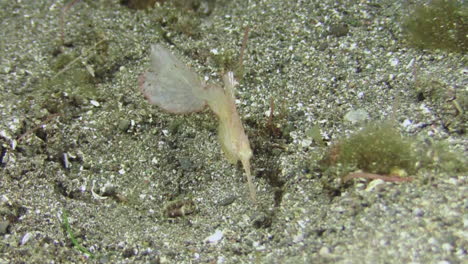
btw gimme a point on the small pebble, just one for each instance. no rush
(355, 116)
(418, 212)
(4, 227)
(124, 125)
(324, 252)
(373, 185)
(25, 238)
(215, 237)
(394, 62)
(447, 247)
(228, 200)
(94, 102)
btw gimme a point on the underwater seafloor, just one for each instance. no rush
(91, 172)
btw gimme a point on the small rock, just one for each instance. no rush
(180, 208)
(394, 62)
(95, 103)
(4, 227)
(124, 125)
(129, 252)
(186, 164)
(25, 238)
(262, 221)
(339, 30)
(447, 247)
(373, 185)
(324, 252)
(355, 116)
(228, 200)
(215, 237)
(418, 212)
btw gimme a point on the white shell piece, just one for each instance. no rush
(215, 237)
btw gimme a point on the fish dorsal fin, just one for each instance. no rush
(171, 84)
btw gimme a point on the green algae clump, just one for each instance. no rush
(440, 24)
(380, 149)
(377, 148)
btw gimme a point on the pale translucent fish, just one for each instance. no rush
(176, 88)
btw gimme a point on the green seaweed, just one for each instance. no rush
(226, 60)
(171, 18)
(71, 235)
(440, 24)
(438, 156)
(377, 148)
